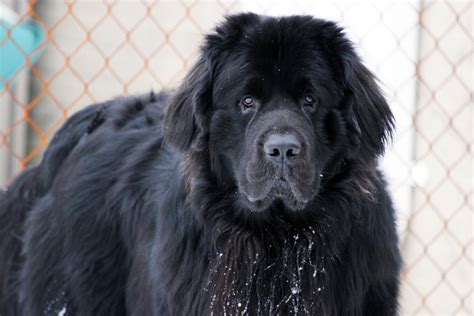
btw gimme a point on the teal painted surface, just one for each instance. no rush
(17, 43)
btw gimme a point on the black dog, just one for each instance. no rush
(253, 189)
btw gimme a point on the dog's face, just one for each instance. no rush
(273, 115)
(275, 103)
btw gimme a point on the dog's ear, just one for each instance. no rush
(187, 114)
(186, 123)
(370, 119)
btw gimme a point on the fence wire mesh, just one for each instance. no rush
(421, 50)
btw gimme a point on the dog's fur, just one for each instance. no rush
(165, 204)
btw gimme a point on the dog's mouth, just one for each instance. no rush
(276, 190)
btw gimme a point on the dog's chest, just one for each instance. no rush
(290, 279)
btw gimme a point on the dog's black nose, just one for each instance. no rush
(280, 148)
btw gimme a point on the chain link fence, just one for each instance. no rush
(421, 50)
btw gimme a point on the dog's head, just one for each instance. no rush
(273, 102)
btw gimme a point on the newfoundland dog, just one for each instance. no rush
(252, 189)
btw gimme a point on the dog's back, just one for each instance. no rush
(21, 196)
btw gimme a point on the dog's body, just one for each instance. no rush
(198, 203)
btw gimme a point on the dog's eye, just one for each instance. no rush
(309, 98)
(248, 102)
(309, 101)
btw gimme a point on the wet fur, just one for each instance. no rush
(134, 211)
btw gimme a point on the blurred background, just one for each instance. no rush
(58, 56)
